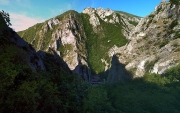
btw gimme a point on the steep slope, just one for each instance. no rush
(12, 44)
(40, 84)
(83, 40)
(154, 45)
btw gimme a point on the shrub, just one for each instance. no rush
(133, 23)
(163, 43)
(6, 17)
(176, 2)
(151, 15)
(173, 24)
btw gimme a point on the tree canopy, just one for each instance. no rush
(6, 17)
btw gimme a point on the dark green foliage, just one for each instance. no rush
(176, 2)
(163, 43)
(173, 24)
(149, 65)
(6, 17)
(97, 101)
(133, 23)
(23, 90)
(64, 48)
(159, 9)
(177, 35)
(151, 94)
(151, 15)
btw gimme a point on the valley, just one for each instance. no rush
(96, 61)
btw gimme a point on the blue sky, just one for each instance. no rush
(25, 13)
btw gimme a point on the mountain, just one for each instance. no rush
(154, 43)
(33, 81)
(83, 40)
(88, 41)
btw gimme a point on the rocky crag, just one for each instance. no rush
(154, 43)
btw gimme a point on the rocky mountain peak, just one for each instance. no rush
(106, 15)
(99, 11)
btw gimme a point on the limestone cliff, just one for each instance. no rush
(154, 43)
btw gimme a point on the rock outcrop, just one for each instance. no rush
(154, 43)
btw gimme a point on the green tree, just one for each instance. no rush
(6, 17)
(97, 101)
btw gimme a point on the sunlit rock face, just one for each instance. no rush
(154, 43)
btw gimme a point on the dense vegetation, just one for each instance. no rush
(177, 2)
(151, 94)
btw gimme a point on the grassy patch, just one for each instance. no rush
(133, 23)
(65, 48)
(173, 24)
(163, 43)
(149, 65)
(31, 33)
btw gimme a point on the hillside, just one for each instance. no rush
(30, 83)
(83, 40)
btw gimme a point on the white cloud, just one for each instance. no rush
(21, 22)
(4, 2)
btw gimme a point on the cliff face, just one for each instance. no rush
(154, 43)
(83, 40)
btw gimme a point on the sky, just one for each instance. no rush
(26, 13)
